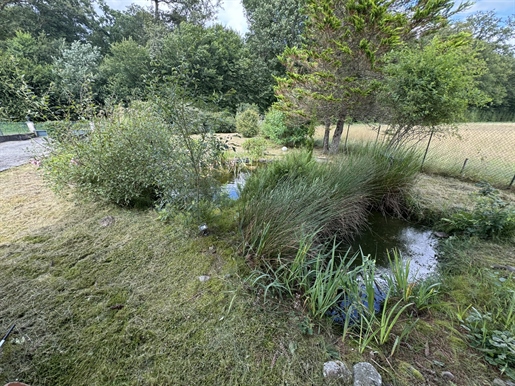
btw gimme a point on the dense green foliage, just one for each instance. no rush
(134, 158)
(421, 92)
(247, 123)
(491, 217)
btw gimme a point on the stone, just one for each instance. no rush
(337, 370)
(498, 382)
(509, 383)
(204, 278)
(366, 375)
(107, 221)
(447, 375)
(284, 148)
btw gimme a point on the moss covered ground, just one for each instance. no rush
(121, 303)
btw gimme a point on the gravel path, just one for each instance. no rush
(16, 153)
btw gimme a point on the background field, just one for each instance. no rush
(489, 149)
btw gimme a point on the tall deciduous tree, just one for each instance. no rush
(192, 11)
(211, 61)
(494, 40)
(273, 26)
(69, 19)
(339, 68)
(428, 89)
(75, 71)
(125, 70)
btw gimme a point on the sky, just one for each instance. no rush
(231, 15)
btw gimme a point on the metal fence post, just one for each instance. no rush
(427, 149)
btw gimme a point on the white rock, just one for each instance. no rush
(498, 382)
(284, 148)
(204, 278)
(338, 370)
(366, 375)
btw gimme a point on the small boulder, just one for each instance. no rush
(447, 375)
(107, 221)
(498, 382)
(337, 370)
(366, 375)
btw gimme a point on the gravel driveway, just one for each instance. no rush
(16, 153)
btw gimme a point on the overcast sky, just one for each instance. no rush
(231, 14)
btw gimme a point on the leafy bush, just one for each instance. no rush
(218, 121)
(491, 217)
(247, 123)
(135, 158)
(256, 147)
(276, 127)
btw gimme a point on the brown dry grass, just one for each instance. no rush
(488, 147)
(27, 203)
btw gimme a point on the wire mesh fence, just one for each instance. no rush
(480, 152)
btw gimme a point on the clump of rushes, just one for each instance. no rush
(299, 196)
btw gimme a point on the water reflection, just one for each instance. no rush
(415, 243)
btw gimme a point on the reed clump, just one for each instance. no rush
(299, 196)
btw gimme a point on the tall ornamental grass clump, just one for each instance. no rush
(299, 196)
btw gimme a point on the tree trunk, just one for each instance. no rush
(327, 133)
(337, 136)
(156, 9)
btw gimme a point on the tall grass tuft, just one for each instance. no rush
(299, 196)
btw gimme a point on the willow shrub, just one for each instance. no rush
(299, 196)
(135, 157)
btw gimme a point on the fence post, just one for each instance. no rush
(378, 131)
(427, 149)
(511, 183)
(347, 137)
(463, 167)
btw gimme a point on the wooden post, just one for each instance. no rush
(511, 183)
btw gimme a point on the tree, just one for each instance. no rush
(192, 11)
(17, 100)
(428, 89)
(273, 26)
(125, 69)
(69, 19)
(493, 39)
(338, 69)
(209, 61)
(75, 72)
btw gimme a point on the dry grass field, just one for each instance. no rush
(489, 149)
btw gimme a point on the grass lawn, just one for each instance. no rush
(9, 128)
(122, 304)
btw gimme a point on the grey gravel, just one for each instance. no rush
(16, 153)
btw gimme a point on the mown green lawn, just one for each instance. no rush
(123, 304)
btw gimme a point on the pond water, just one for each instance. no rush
(414, 242)
(232, 186)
